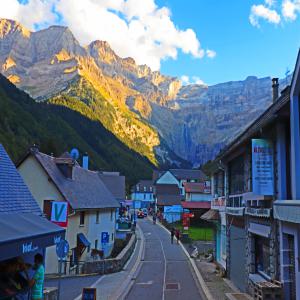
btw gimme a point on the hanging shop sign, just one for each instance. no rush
(262, 167)
(59, 213)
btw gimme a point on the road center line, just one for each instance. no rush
(165, 272)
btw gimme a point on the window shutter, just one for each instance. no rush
(47, 208)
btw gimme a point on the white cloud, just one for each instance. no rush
(290, 9)
(186, 80)
(262, 12)
(211, 53)
(34, 12)
(135, 28)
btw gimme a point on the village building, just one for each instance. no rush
(143, 194)
(24, 232)
(170, 195)
(287, 207)
(91, 217)
(197, 197)
(252, 178)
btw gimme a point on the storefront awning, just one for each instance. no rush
(22, 233)
(83, 240)
(211, 215)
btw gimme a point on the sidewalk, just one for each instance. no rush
(217, 285)
(115, 286)
(213, 285)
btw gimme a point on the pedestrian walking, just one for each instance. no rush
(154, 218)
(177, 234)
(172, 234)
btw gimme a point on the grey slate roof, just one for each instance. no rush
(115, 184)
(84, 191)
(14, 193)
(188, 174)
(168, 200)
(141, 185)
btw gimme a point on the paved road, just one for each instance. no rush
(72, 287)
(165, 272)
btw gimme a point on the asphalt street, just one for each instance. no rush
(71, 287)
(165, 272)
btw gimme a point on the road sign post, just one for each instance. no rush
(62, 249)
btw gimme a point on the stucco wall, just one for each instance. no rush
(141, 196)
(106, 224)
(37, 180)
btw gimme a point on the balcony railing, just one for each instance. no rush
(258, 212)
(235, 205)
(287, 210)
(218, 203)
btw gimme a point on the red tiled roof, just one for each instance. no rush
(195, 204)
(196, 187)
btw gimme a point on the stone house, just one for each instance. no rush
(91, 206)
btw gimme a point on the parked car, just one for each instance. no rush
(140, 214)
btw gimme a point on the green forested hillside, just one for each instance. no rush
(56, 128)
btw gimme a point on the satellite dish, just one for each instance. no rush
(74, 153)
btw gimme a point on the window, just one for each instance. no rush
(137, 188)
(262, 255)
(236, 176)
(112, 237)
(151, 189)
(145, 189)
(219, 184)
(111, 214)
(47, 208)
(97, 217)
(81, 218)
(96, 244)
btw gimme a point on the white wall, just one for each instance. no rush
(106, 224)
(167, 178)
(141, 196)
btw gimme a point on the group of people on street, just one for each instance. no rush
(19, 280)
(175, 232)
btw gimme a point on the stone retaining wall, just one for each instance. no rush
(111, 265)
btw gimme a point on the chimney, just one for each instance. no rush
(65, 165)
(85, 161)
(275, 87)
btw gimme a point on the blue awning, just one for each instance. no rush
(83, 240)
(22, 233)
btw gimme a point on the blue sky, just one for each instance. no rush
(156, 32)
(242, 49)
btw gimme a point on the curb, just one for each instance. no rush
(201, 281)
(55, 277)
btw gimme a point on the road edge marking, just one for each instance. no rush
(201, 281)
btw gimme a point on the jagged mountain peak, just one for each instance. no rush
(8, 26)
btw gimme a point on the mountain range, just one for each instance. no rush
(152, 114)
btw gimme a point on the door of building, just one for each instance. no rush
(289, 266)
(237, 267)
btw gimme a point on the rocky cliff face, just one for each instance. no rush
(145, 109)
